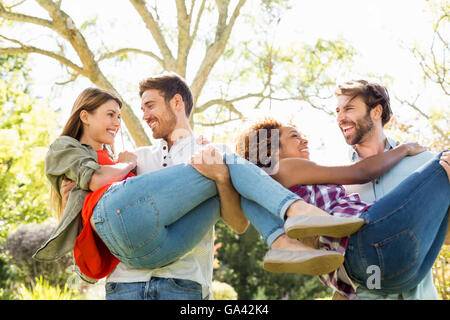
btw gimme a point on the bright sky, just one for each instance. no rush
(379, 30)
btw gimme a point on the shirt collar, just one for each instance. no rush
(390, 144)
(180, 144)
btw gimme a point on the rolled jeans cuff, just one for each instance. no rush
(274, 235)
(286, 204)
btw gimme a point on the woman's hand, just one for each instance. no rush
(412, 148)
(444, 161)
(127, 157)
(201, 140)
(209, 162)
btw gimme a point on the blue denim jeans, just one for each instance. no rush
(152, 220)
(154, 289)
(404, 231)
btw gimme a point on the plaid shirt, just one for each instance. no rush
(334, 200)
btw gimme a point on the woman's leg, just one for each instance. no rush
(139, 210)
(404, 231)
(180, 237)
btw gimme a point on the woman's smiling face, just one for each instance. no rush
(293, 144)
(102, 125)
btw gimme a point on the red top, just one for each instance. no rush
(91, 255)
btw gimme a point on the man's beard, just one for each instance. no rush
(166, 125)
(362, 128)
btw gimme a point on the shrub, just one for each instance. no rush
(23, 242)
(223, 291)
(42, 290)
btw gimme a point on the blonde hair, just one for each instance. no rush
(90, 99)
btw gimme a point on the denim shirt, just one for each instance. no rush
(375, 190)
(67, 158)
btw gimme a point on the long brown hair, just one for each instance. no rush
(90, 99)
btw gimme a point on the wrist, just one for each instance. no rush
(222, 179)
(404, 148)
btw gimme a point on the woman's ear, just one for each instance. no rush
(84, 117)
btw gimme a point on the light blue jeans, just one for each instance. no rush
(404, 232)
(152, 220)
(154, 289)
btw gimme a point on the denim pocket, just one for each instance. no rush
(397, 255)
(185, 285)
(139, 223)
(110, 287)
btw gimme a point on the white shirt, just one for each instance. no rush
(196, 265)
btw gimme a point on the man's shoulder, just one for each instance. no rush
(417, 160)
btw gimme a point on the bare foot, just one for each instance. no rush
(300, 207)
(283, 242)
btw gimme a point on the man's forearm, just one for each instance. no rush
(230, 206)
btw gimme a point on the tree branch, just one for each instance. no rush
(72, 78)
(19, 17)
(423, 114)
(197, 22)
(216, 123)
(63, 24)
(215, 50)
(184, 37)
(227, 103)
(30, 49)
(153, 27)
(119, 52)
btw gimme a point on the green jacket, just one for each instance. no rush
(68, 158)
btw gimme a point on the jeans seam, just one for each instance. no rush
(149, 254)
(105, 231)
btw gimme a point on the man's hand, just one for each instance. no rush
(66, 186)
(209, 162)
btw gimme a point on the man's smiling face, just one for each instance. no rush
(157, 114)
(353, 118)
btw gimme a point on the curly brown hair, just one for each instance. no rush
(246, 148)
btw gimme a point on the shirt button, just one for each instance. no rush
(164, 164)
(164, 148)
(117, 211)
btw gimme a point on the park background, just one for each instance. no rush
(243, 59)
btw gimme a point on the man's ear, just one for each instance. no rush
(377, 112)
(178, 102)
